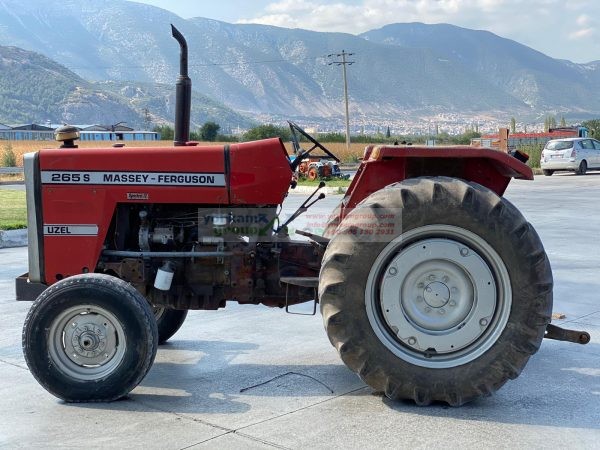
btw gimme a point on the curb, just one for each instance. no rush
(13, 238)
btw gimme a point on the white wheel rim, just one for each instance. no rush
(438, 296)
(86, 342)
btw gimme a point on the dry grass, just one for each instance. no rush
(22, 147)
(338, 149)
(11, 177)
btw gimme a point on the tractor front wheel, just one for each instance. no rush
(90, 337)
(434, 289)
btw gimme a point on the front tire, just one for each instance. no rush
(450, 305)
(548, 172)
(90, 338)
(168, 322)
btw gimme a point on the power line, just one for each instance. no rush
(151, 66)
(344, 62)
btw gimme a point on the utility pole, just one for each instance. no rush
(147, 118)
(343, 63)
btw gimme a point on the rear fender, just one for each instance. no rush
(384, 165)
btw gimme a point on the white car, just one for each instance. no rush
(573, 154)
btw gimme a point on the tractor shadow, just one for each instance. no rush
(202, 377)
(560, 386)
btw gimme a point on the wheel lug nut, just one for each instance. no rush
(451, 303)
(454, 290)
(445, 279)
(464, 251)
(442, 311)
(393, 271)
(431, 277)
(412, 341)
(421, 285)
(428, 309)
(483, 322)
(428, 289)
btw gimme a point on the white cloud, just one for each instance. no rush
(546, 25)
(583, 29)
(581, 34)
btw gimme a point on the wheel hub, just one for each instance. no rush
(436, 294)
(87, 342)
(437, 300)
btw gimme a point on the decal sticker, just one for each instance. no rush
(138, 196)
(70, 230)
(133, 178)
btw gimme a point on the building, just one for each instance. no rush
(517, 140)
(27, 132)
(36, 132)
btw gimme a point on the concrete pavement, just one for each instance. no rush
(253, 377)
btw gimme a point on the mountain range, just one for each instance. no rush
(36, 89)
(125, 49)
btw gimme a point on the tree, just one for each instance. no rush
(166, 132)
(513, 125)
(387, 132)
(563, 122)
(593, 126)
(209, 131)
(9, 159)
(549, 122)
(267, 131)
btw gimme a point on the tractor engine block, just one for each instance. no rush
(186, 257)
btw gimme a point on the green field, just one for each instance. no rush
(13, 212)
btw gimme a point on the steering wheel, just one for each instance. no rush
(302, 153)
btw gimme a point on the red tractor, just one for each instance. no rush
(432, 287)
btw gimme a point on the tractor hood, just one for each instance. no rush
(255, 172)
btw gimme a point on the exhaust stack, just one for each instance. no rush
(183, 93)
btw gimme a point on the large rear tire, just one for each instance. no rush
(90, 338)
(333, 222)
(449, 304)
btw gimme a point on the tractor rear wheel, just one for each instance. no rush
(168, 321)
(333, 222)
(90, 338)
(434, 289)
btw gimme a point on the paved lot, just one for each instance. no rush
(252, 377)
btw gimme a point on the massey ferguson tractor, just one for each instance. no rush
(432, 286)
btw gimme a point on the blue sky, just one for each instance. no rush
(567, 29)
